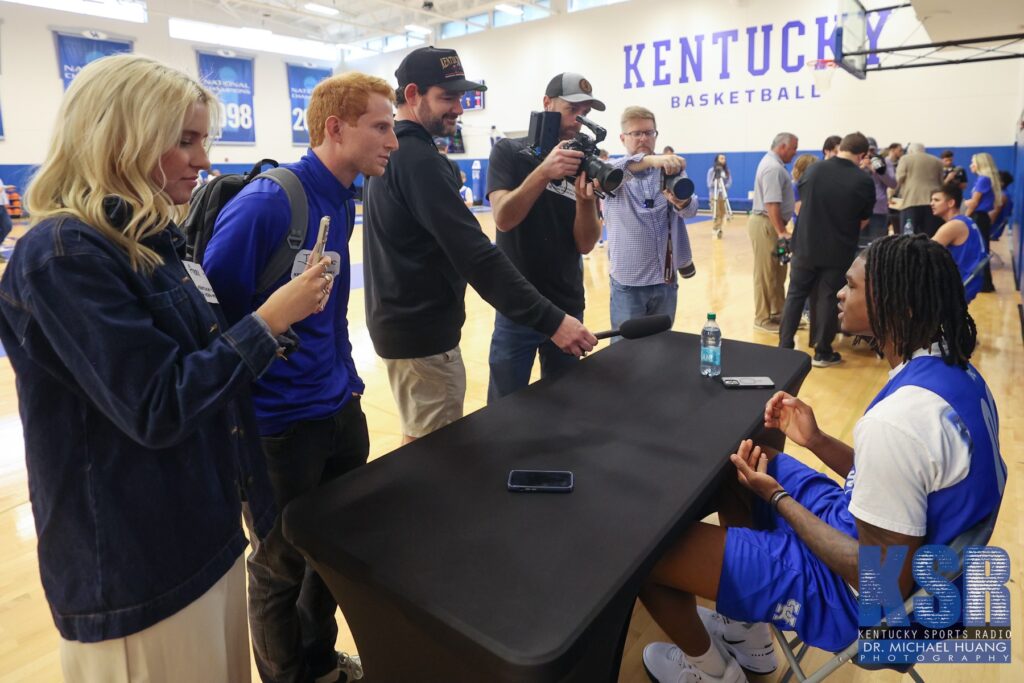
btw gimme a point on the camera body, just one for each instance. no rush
(783, 251)
(877, 164)
(544, 132)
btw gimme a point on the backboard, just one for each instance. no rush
(851, 36)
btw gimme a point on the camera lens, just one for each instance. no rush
(680, 187)
(607, 176)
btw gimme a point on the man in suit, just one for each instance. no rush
(918, 175)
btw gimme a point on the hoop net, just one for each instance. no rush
(823, 70)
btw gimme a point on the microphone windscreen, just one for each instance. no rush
(644, 327)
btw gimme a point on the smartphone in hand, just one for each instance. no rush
(321, 242)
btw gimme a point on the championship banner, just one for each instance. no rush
(75, 51)
(301, 81)
(231, 80)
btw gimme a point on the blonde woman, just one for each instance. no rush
(133, 392)
(984, 195)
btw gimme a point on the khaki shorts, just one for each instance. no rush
(429, 391)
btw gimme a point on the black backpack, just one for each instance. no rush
(208, 200)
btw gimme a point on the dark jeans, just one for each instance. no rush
(291, 611)
(824, 283)
(922, 218)
(878, 226)
(5, 222)
(984, 224)
(513, 349)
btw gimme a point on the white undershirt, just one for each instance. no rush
(906, 447)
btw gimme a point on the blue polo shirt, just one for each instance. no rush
(988, 198)
(319, 378)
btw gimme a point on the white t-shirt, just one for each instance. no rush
(466, 193)
(905, 448)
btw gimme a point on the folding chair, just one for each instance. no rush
(979, 534)
(977, 270)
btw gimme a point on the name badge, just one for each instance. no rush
(299, 264)
(202, 283)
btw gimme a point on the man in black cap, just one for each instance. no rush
(421, 245)
(544, 224)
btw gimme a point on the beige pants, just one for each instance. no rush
(719, 211)
(206, 642)
(430, 391)
(769, 276)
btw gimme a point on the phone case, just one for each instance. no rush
(748, 382)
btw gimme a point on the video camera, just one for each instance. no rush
(877, 163)
(545, 127)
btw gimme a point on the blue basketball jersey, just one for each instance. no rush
(967, 257)
(972, 411)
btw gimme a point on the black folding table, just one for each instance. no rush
(444, 575)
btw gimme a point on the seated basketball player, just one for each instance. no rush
(925, 466)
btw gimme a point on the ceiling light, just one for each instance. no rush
(510, 9)
(251, 39)
(125, 10)
(321, 9)
(418, 30)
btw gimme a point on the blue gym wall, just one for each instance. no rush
(741, 164)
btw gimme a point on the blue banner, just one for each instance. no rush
(301, 81)
(473, 99)
(231, 80)
(74, 52)
(1, 128)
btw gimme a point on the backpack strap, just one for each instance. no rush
(284, 255)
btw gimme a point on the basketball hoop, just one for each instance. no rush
(823, 70)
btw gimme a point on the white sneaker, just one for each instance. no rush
(666, 663)
(348, 666)
(750, 644)
(351, 666)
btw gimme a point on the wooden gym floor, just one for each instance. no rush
(28, 640)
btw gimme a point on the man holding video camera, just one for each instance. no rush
(421, 245)
(545, 221)
(647, 235)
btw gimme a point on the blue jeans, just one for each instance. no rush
(634, 302)
(291, 611)
(5, 222)
(513, 348)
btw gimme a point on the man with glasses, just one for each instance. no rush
(837, 200)
(544, 225)
(647, 235)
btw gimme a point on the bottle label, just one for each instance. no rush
(711, 355)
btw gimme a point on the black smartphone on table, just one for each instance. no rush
(540, 481)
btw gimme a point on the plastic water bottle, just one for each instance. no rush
(711, 348)
(908, 227)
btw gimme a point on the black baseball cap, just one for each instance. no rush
(426, 66)
(572, 87)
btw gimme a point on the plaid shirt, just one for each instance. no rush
(637, 235)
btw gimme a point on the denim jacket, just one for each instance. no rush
(140, 440)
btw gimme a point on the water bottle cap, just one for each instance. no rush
(711, 316)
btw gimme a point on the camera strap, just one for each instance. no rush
(670, 271)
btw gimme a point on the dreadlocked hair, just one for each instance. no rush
(916, 298)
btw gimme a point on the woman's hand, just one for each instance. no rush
(299, 298)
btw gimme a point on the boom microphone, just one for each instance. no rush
(636, 328)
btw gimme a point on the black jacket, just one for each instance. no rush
(420, 247)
